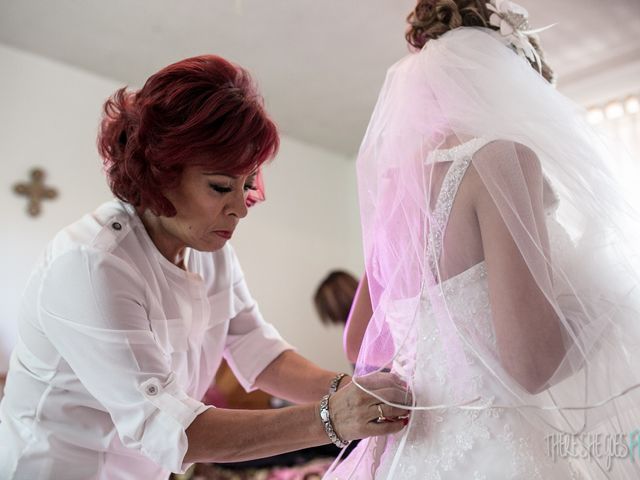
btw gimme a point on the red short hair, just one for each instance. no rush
(202, 111)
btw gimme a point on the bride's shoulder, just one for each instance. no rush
(501, 155)
(506, 149)
(505, 159)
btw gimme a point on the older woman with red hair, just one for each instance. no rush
(131, 309)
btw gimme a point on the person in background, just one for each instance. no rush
(334, 301)
(334, 296)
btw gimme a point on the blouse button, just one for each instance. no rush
(152, 390)
(116, 226)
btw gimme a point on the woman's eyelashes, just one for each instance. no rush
(220, 188)
(227, 189)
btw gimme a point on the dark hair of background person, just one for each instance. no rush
(334, 296)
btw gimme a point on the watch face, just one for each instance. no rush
(324, 415)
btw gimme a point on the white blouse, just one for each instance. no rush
(117, 345)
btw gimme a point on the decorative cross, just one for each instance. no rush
(35, 191)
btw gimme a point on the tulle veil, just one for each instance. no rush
(553, 184)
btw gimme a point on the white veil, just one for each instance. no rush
(550, 202)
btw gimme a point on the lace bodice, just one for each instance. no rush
(460, 158)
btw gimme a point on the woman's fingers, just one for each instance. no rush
(378, 380)
(382, 412)
(395, 395)
(385, 428)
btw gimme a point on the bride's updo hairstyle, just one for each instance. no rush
(432, 18)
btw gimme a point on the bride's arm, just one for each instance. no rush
(358, 320)
(527, 328)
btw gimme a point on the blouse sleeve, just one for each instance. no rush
(92, 309)
(252, 343)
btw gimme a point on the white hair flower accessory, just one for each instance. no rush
(513, 21)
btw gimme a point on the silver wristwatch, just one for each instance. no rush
(325, 416)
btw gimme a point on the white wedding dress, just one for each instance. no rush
(456, 444)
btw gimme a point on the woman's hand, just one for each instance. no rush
(355, 413)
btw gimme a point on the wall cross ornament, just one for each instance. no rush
(35, 191)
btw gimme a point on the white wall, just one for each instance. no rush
(48, 117)
(602, 85)
(49, 114)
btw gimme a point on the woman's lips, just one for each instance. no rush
(224, 234)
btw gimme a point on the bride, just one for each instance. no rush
(501, 264)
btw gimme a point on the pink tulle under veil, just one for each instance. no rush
(468, 102)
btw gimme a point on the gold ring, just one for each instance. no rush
(381, 418)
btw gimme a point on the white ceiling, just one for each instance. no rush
(319, 63)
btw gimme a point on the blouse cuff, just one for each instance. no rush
(164, 440)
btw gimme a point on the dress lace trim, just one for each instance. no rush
(460, 156)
